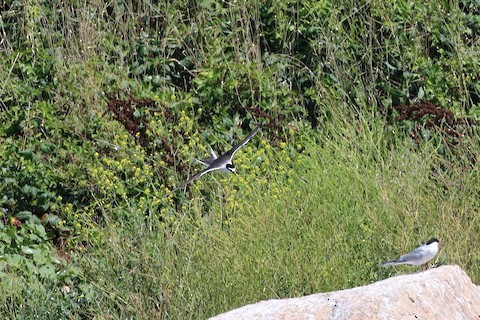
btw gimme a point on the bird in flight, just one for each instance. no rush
(419, 256)
(223, 163)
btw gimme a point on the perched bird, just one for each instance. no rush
(419, 256)
(223, 163)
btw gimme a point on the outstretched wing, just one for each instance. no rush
(232, 151)
(193, 178)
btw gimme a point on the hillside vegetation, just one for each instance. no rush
(369, 146)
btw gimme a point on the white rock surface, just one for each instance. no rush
(441, 293)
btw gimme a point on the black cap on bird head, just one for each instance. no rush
(231, 167)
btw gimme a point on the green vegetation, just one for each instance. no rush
(369, 146)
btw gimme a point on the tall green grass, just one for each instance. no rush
(345, 206)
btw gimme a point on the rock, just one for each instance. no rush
(441, 293)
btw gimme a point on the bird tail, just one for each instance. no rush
(213, 154)
(205, 162)
(392, 263)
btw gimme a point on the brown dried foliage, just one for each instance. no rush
(428, 116)
(124, 112)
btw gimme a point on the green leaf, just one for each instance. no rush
(28, 250)
(420, 93)
(39, 230)
(5, 200)
(47, 147)
(27, 154)
(52, 220)
(14, 259)
(40, 258)
(24, 215)
(30, 190)
(5, 238)
(46, 271)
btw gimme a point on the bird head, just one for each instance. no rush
(434, 242)
(231, 167)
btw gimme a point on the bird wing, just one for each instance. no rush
(418, 251)
(192, 178)
(232, 151)
(414, 254)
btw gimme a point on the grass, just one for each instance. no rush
(325, 223)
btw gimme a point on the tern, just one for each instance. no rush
(419, 256)
(223, 163)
